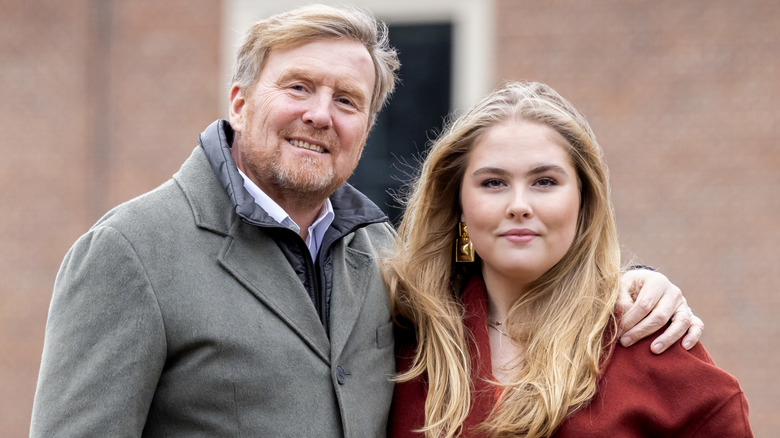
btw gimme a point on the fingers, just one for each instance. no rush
(630, 285)
(681, 321)
(694, 333)
(657, 317)
(656, 302)
(648, 299)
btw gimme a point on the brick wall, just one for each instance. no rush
(103, 99)
(684, 99)
(99, 101)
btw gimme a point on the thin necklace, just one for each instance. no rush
(495, 326)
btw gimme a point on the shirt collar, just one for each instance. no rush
(317, 228)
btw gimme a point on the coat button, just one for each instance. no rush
(341, 376)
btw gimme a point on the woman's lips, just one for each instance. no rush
(520, 235)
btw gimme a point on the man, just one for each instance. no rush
(243, 296)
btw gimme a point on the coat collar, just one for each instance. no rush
(220, 204)
(352, 208)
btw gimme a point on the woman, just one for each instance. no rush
(519, 341)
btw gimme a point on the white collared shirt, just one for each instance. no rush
(316, 230)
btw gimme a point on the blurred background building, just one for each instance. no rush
(102, 100)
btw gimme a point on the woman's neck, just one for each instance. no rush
(506, 352)
(502, 292)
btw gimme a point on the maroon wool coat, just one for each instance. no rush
(678, 393)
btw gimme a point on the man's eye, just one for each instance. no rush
(345, 101)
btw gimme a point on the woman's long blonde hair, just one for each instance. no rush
(566, 313)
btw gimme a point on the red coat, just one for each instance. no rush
(678, 393)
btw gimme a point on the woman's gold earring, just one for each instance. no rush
(464, 249)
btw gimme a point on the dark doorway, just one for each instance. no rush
(414, 115)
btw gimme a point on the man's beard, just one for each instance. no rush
(308, 180)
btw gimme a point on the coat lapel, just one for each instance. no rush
(352, 275)
(256, 262)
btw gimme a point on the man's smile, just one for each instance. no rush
(306, 145)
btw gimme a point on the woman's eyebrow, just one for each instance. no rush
(490, 171)
(544, 168)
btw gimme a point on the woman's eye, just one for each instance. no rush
(491, 183)
(546, 182)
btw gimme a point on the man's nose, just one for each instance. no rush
(318, 111)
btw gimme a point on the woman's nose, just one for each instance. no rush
(519, 205)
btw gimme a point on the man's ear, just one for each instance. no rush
(237, 102)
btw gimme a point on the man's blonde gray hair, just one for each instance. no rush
(315, 23)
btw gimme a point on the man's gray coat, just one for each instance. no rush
(174, 316)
